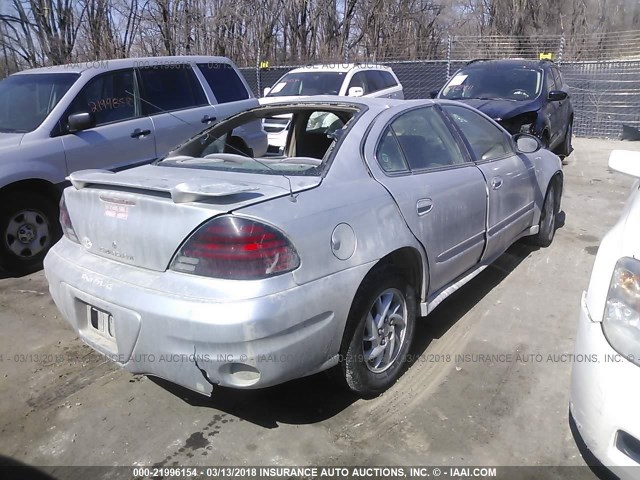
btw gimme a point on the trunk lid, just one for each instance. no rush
(141, 216)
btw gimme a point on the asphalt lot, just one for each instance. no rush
(60, 404)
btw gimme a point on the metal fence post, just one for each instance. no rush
(258, 73)
(448, 56)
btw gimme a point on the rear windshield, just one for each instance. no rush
(308, 83)
(27, 99)
(313, 133)
(510, 83)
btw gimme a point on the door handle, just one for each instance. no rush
(140, 133)
(424, 206)
(208, 119)
(496, 183)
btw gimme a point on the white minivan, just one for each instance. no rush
(110, 115)
(350, 79)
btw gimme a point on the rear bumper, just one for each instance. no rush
(604, 399)
(196, 342)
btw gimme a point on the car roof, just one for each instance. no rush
(510, 62)
(116, 64)
(340, 67)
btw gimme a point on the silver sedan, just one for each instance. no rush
(213, 267)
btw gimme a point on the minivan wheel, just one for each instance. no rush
(28, 228)
(378, 334)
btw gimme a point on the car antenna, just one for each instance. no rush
(211, 119)
(292, 198)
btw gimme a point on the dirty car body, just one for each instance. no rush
(213, 268)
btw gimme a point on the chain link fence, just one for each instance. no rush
(602, 71)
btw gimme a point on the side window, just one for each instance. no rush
(324, 122)
(387, 79)
(389, 156)
(551, 81)
(358, 80)
(486, 140)
(426, 140)
(224, 82)
(374, 81)
(558, 78)
(109, 97)
(166, 89)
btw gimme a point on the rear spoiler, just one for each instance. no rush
(191, 191)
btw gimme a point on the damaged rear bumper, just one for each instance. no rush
(164, 323)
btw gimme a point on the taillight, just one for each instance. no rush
(237, 249)
(65, 221)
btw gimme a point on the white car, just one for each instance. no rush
(353, 80)
(605, 383)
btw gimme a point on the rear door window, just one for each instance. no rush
(224, 81)
(389, 155)
(425, 140)
(166, 89)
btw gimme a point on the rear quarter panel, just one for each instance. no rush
(347, 195)
(546, 165)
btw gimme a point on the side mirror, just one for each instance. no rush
(433, 93)
(80, 121)
(557, 95)
(356, 92)
(527, 143)
(266, 91)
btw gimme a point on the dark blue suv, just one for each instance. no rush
(522, 95)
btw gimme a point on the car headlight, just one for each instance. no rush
(621, 321)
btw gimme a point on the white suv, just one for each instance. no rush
(353, 80)
(110, 114)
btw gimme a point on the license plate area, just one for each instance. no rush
(101, 322)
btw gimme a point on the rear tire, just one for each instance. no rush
(547, 230)
(29, 226)
(378, 334)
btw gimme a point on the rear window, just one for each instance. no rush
(315, 132)
(166, 89)
(224, 81)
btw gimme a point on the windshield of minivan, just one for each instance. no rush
(510, 83)
(308, 83)
(27, 99)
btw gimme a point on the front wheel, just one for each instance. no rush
(378, 334)
(28, 228)
(566, 147)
